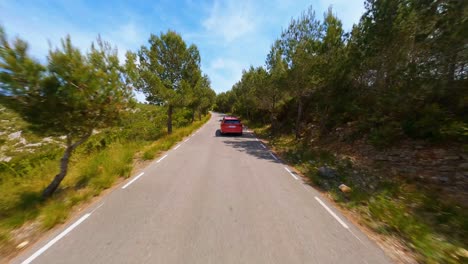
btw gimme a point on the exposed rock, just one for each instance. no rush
(463, 166)
(48, 140)
(381, 158)
(459, 177)
(22, 244)
(5, 159)
(462, 252)
(344, 188)
(440, 152)
(33, 145)
(406, 169)
(442, 179)
(452, 158)
(326, 172)
(446, 168)
(15, 135)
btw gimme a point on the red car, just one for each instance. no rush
(231, 124)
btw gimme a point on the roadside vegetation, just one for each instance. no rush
(434, 228)
(108, 157)
(74, 117)
(327, 99)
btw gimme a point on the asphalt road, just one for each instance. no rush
(212, 199)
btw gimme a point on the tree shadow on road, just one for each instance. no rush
(247, 143)
(219, 134)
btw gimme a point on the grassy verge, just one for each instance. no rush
(168, 141)
(95, 166)
(434, 228)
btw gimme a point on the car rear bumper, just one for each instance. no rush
(231, 130)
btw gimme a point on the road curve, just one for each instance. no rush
(212, 199)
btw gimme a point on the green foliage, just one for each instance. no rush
(395, 217)
(72, 95)
(401, 71)
(88, 96)
(96, 166)
(168, 73)
(224, 102)
(455, 130)
(426, 123)
(435, 228)
(385, 134)
(166, 142)
(53, 214)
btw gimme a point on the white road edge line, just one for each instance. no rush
(256, 139)
(57, 238)
(97, 208)
(134, 179)
(273, 156)
(163, 157)
(178, 146)
(352, 233)
(331, 212)
(292, 174)
(263, 146)
(187, 140)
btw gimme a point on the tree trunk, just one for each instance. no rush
(52, 187)
(49, 190)
(169, 119)
(298, 119)
(273, 116)
(451, 69)
(273, 123)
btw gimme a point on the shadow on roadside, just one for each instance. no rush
(247, 143)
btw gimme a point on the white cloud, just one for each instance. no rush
(231, 34)
(224, 73)
(231, 20)
(129, 33)
(41, 30)
(225, 64)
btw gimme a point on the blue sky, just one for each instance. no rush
(231, 35)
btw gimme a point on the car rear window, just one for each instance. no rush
(231, 121)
